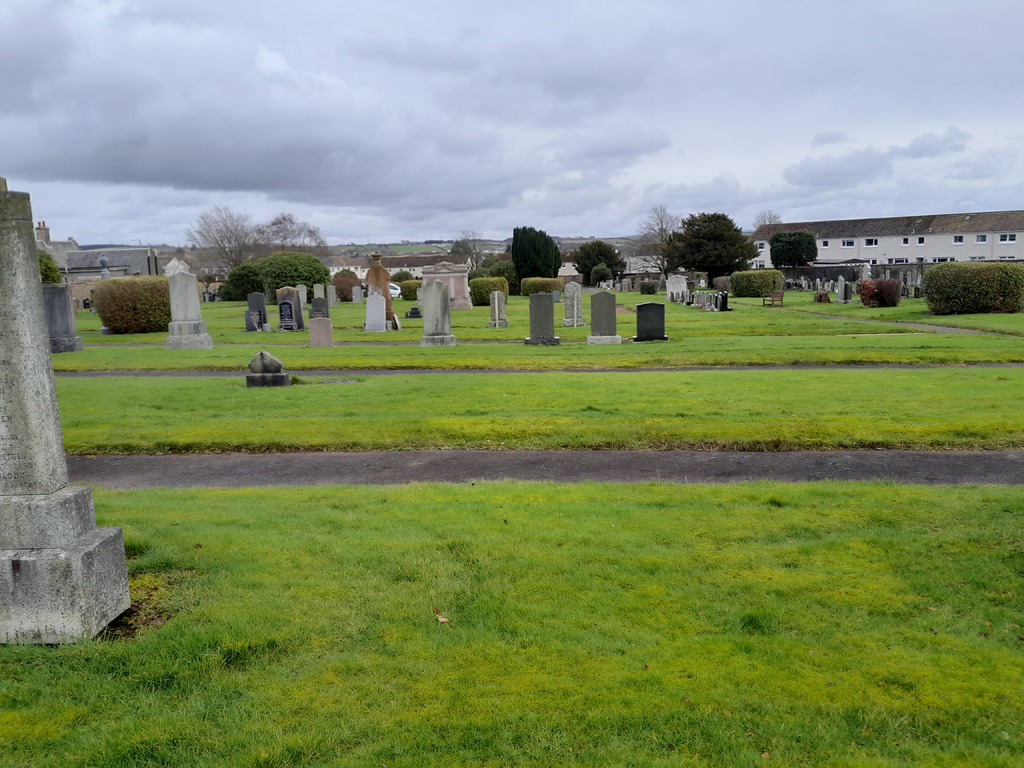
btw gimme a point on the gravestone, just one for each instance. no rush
(174, 266)
(437, 319)
(265, 370)
(289, 310)
(455, 277)
(186, 329)
(256, 314)
(556, 297)
(414, 313)
(319, 291)
(303, 297)
(320, 330)
(602, 320)
(332, 295)
(60, 319)
(723, 302)
(650, 322)
(319, 309)
(676, 288)
(499, 316)
(62, 579)
(542, 321)
(357, 294)
(376, 314)
(841, 290)
(573, 306)
(848, 293)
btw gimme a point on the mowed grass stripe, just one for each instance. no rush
(734, 410)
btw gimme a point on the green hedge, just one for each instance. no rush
(409, 288)
(134, 304)
(530, 285)
(481, 288)
(972, 289)
(755, 283)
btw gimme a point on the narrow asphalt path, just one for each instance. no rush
(237, 470)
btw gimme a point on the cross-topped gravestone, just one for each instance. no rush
(61, 578)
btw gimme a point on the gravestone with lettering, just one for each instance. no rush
(573, 306)
(437, 319)
(60, 319)
(289, 310)
(319, 308)
(62, 579)
(542, 321)
(602, 320)
(186, 329)
(256, 313)
(320, 331)
(650, 322)
(499, 313)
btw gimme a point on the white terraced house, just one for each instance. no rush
(992, 236)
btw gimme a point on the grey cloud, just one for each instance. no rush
(851, 169)
(929, 145)
(829, 137)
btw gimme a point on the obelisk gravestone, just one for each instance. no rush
(61, 578)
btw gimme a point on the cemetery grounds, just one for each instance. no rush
(586, 623)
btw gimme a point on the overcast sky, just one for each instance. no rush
(393, 119)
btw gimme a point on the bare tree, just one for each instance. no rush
(653, 239)
(285, 232)
(767, 216)
(229, 237)
(468, 247)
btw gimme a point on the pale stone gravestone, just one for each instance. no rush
(556, 297)
(319, 292)
(256, 313)
(62, 579)
(840, 292)
(303, 294)
(319, 309)
(357, 294)
(376, 314)
(573, 306)
(175, 266)
(289, 310)
(676, 287)
(437, 319)
(542, 321)
(456, 277)
(499, 313)
(320, 330)
(60, 319)
(332, 295)
(602, 320)
(267, 371)
(650, 322)
(186, 329)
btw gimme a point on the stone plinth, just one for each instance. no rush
(267, 371)
(61, 578)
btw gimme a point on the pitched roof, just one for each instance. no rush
(934, 224)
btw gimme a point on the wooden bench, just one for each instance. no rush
(774, 300)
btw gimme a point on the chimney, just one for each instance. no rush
(42, 233)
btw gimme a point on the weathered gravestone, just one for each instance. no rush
(499, 314)
(437, 319)
(319, 291)
(60, 319)
(376, 314)
(650, 322)
(319, 309)
(332, 295)
(357, 294)
(303, 294)
(256, 313)
(186, 329)
(320, 331)
(602, 320)
(62, 579)
(289, 310)
(265, 370)
(676, 288)
(573, 306)
(542, 321)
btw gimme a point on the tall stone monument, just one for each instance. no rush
(61, 578)
(437, 319)
(573, 306)
(186, 329)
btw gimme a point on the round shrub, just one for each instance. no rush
(531, 285)
(134, 304)
(481, 288)
(880, 293)
(402, 276)
(344, 284)
(507, 270)
(969, 289)
(600, 273)
(241, 281)
(283, 269)
(648, 288)
(409, 288)
(756, 283)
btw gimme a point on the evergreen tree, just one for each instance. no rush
(711, 243)
(793, 249)
(597, 252)
(535, 253)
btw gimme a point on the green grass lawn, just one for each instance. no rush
(822, 624)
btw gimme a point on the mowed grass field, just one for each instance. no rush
(760, 624)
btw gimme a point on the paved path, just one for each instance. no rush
(235, 470)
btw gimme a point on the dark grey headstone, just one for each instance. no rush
(318, 308)
(60, 319)
(289, 310)
(542, 320)
(256, 315)
(650, 322)
(602, 314)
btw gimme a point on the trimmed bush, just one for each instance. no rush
(241, 281)
(888, 293)
(971, 289)
(409, 288)
(647, 288)
(755, 283)
(402, 276)
(134, 304)
(344, 284)
(531, 285)
(507, 270)
(481, 288)
(283, 269)
(600, 273)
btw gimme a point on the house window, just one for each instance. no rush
(824, 243)
(942, 260)
(977, 258)
(920, 241)
(958, 239)
(1007, 258)
(847, 243)
(906, 241)
(870, 242)
(1007, 238)
(760, 246)
(981, 238)
(898, 261)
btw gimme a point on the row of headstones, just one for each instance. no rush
(650, 321)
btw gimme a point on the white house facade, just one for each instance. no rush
(992, 236)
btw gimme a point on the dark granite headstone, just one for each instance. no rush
(602, 314)
(289, 309)
(542, 320)
(256, 315)
(60, 319)
(318, 308)
(650, 322)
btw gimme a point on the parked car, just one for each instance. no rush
(396, 292)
